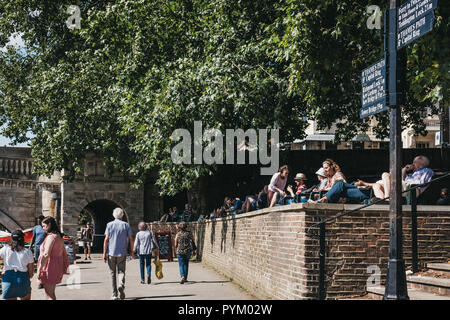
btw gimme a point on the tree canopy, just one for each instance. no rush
(137, 70)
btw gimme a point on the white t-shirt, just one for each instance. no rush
(278, 182)
(16, 260)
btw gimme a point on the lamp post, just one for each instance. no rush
(396, 288)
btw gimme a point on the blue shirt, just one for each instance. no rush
(420, 176)
(237, 205)
(39, 235)
(144, 242)
(118, 232)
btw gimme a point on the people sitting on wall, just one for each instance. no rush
(299, 180)
(277, 185)
(176, 215)
(444, 198)
(167, 217)
(415, 173)
(419, 173)
(235, 208)
(225, 206)
(334, 174)
(323, 180)
(255, 202)
(187, 213)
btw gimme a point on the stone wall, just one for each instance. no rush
(77, 195)
(269, 253)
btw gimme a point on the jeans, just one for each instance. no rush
(145, 261)
(183, 262)
(117, 265)
(37, 252)
(342, 189)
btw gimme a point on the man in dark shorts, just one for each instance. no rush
(87, 236)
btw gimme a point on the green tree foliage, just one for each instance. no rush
(138, 70)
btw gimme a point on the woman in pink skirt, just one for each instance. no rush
(53, 261)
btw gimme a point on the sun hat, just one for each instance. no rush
(321, 172)
(301, 176)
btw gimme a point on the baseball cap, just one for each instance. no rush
(17, 235)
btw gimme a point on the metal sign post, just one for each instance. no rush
(396, 288)
(383, 85)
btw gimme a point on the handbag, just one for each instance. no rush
(158, 269)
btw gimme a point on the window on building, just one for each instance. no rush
(422, 145)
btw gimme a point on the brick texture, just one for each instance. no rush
(269, 253)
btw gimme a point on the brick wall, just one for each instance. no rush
(269, 253)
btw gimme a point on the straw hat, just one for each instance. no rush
(301, 176)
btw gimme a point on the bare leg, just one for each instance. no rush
(386, 177)
(274, 199)
(361, 183)
(378, 190)
(50, 291)
(248, 204)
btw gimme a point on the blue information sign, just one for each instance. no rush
(373, 95)
(415, 18)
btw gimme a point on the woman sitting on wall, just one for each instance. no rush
(277, 185)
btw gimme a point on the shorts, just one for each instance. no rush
(15, 284)
(87, 244)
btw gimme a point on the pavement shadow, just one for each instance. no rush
(218, 281)
(76, 284)
(166, 282)
(160, 297)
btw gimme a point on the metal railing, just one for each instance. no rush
(322, 230)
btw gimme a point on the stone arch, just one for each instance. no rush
(9, 222)
(100, 211)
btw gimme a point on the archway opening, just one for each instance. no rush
(100, 212)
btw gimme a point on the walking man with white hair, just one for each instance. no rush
(117, 238)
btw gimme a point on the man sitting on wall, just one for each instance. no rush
(415, 173)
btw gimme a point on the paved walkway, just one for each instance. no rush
(94, 283)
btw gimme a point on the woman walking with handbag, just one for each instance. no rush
(185, 247)
(143, 246)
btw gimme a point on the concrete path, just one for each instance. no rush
(93, 283)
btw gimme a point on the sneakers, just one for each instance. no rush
(90, 258)
(149, 280)
(121, 293)
(142, 281)
(182, 281)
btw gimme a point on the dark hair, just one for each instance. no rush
(17, 242)
(283, 168)
(53, 226)
(40, 218)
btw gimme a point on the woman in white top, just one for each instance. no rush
(18, 264)
(144, 244)
(277, 185)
